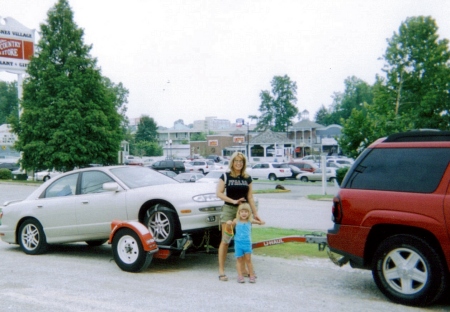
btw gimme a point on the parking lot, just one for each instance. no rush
(76, 277)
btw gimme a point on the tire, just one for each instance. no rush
(32, 239)
(272, 177)
(161, 222)
(46, 178)
(408, 270)
(128, 251)
(96, 243)
(304, 179)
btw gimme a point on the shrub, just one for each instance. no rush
(340, 174)
(5, 174)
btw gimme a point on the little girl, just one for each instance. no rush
(243, 240)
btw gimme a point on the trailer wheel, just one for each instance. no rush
(128, 252)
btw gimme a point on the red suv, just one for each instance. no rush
(392, 216)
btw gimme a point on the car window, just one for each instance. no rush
(136, 176)
(400, 169)
(264, 166)
(92, 182)
(65, 186)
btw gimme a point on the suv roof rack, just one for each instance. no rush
(419, 136)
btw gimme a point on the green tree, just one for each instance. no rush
(119, 95)
(146, 148)
(357, 92)
(418, 74)
(9, 102)
(69, 117)
(415, 92)
(147, 130)
(200, 136)
(277, 108)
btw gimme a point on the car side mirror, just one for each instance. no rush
(110, 186)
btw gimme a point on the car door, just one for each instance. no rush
(98, 207)
(258, 171)
(56, 208)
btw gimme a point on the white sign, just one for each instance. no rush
(16, 45)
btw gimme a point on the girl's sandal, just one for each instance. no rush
(252, 279)
(240, 279)
(223, 278)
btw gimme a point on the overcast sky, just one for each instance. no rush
(195, 59)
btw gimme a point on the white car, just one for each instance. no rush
(223, 164)
(46, 175)
(80, 205)
(204, 166)
(317, 175)
(186, 177)
(272, 171)
(212, 177)
(341, 162)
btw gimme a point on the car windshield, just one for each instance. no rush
(135, 177)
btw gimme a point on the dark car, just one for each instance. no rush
(173, 165)
(392, 216)
(10, 166)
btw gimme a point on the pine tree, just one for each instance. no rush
(69, 117)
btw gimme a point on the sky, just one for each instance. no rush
(188, 59)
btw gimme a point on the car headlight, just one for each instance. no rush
(206, 197)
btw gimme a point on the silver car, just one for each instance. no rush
(79, 206)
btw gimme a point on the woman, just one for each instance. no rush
(234, 187)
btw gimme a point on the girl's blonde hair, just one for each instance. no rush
(245, 206)
(244, 165)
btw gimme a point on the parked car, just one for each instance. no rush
(10, 166)
(295, 171)
(188, 177)
(223, 164)
(271, 171)
(306, 176)
(212, 177)
(169, 173)
(340, 162)
(214, 158)
(80, 205)
(304, 166)
(46, 175)
(176, 166)
(392, 216)
(203, 166)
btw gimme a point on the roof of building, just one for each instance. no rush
(306, 124)
(270, 137)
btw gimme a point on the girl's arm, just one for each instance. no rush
(258, 222)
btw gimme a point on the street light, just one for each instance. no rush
(169, 143)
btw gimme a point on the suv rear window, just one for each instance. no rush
(399, 169)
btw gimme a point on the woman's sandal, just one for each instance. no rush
(240, 279)
(223, 278)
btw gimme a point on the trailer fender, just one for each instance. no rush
(147, 240)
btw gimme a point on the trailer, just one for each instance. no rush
(134, 247)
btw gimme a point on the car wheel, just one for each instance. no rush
(408, 270)
(272, 177)
(304, 179)
(46, 178)
(161, 222)
(202, 171)
(97, 242)
(32, 238)
(128, 251)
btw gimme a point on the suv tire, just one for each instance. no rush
(408, 270)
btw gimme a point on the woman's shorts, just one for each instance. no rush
(228, 213)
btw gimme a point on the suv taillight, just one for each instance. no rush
(337, 210)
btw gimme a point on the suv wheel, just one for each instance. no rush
(409, 271)
(272, 177)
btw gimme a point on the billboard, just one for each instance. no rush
(16, 45)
